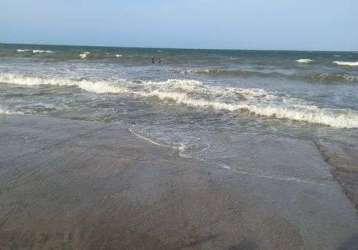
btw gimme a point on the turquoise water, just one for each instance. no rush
(186, 96)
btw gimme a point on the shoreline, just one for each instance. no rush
(89, 185)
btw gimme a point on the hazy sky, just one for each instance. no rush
(240, 24)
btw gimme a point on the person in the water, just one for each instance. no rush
(158, 60)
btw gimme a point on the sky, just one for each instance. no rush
(207, 24)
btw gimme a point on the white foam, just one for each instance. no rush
(198, 95)
(22, 50)
(304, 60)
(35, 51)
(132, 131)
(84, 55)
(344, 63)
(282, 110)
(255, 101)
(4, 111)
(118, 55)
(224, 166)
(39, 51)
(180, 147)
(100, 87)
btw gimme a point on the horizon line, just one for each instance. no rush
(170, 48)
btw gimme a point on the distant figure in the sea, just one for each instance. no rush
(156, 60)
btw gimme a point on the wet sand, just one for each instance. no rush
(85, 185)
(344, 160)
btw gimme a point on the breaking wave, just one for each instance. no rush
(100, 87)
(39, 51)
(199, 95)
(304, 60)
(35, 51)
(84, 55)
(22, 50)
(344, 63)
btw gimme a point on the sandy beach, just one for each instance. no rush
(178, 125)
(68, 184)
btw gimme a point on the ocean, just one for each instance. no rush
(196, 101)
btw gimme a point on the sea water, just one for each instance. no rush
(186, 99)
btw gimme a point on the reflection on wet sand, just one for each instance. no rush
(79, 185)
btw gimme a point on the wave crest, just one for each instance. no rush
(40, 51)
(35, 51)
(304, 60)
(100, 87)
(22, 50)
(263, 103)
(199, 95)
(84, 55)
(345, 63)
